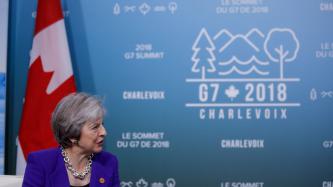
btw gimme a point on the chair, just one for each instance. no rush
(11, 181)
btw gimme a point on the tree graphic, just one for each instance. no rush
(204, 57)
(281, 45)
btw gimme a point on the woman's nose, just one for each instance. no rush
(103, 131)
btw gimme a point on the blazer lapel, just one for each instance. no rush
(59, 177)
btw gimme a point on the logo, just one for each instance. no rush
(141, 183)
(126, 184)
(244, 76)
(173, 7)
(170, 182)
(144, 8)
(116, 9)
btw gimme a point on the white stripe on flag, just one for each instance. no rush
(55, 36)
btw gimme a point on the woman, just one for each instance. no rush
(77, 124)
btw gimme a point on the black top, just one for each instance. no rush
(87, 185)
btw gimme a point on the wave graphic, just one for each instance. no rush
(236, 60)
(251, 70)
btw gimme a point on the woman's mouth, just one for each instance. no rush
(100, 142)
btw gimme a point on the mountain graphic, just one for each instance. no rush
(239, 48)
(257, 38)
(223, 36)
(241, 54)
(244, 47)
(229, 38)
(222, 40)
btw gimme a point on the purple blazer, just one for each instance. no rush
(46, 168)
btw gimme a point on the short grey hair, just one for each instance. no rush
(71, 113)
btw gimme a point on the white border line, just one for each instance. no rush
(245, 80)
(242, 104)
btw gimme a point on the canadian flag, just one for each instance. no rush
(50, 78)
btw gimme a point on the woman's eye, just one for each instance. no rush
(96, 125)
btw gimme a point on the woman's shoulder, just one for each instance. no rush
(45, 153)
(46, 158)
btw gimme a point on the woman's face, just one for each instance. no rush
(92, 136)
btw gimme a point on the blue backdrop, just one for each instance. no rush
(217, 93)
(3, 74)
